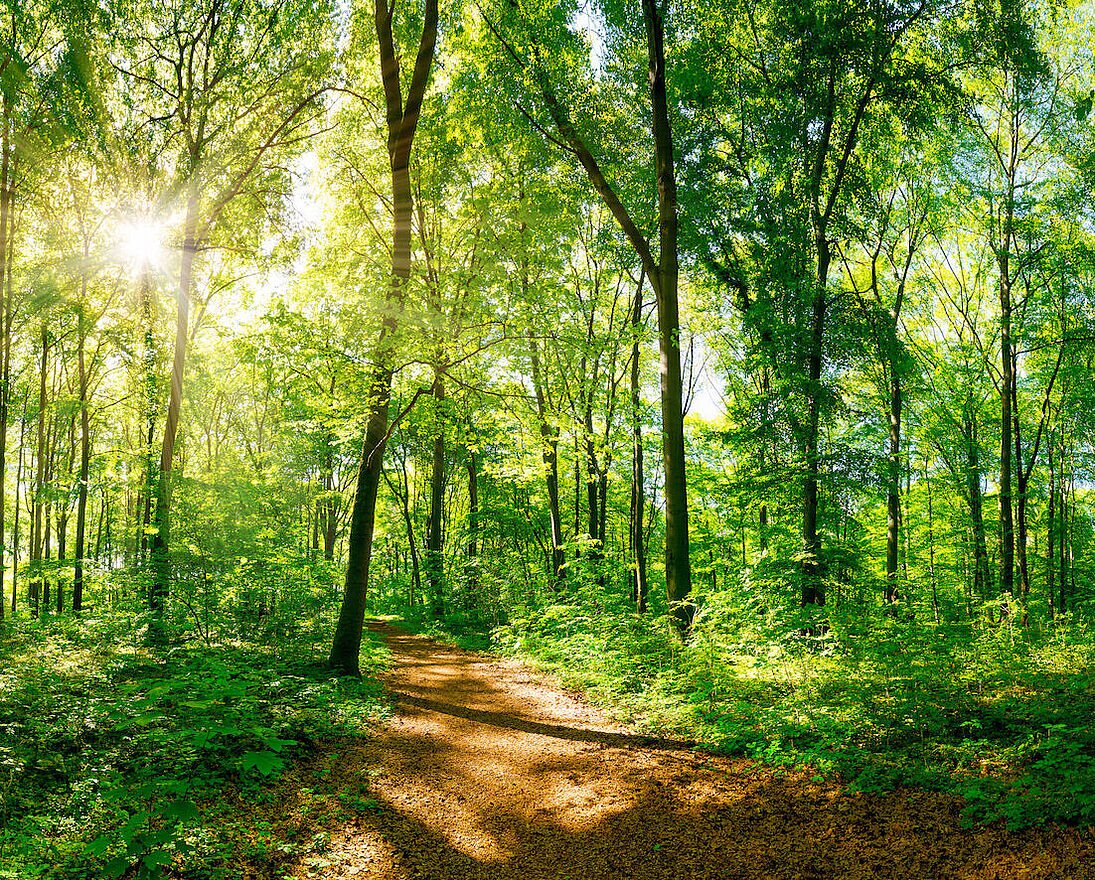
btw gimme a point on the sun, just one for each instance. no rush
(141, 244)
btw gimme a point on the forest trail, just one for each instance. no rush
(487, 771)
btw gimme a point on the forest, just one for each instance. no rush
(724, 364)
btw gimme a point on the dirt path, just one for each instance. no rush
(487, 772)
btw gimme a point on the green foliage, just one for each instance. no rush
(116, 760)
(995, 716)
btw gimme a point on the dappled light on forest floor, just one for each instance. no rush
(488, 772)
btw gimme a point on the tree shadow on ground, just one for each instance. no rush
(771, 835)
(558, 731)
(463, 784)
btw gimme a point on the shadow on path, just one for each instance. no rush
(487, 773)
(558, 731)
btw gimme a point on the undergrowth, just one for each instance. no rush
(118, 760)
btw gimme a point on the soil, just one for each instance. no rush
(487, 770)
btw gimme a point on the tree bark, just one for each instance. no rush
(678, 569)
(473, 525)
(6, 246)
(637, 537)
(330, 506)
(435, 567)
(1007, 527)
(19, 470)
(1051, 526)
(36, 535)
(402, 122)
(549, 436)
(981, 576)
(85, 461)
(161, 560)
(893, 490)
(813, 589)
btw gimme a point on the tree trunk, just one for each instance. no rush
(931, 547)
(893, 490)
(7, 243)
(161, 560)
(549, 435)
(593, 517)
(85, 469)
(639, 586)
(813, 590)
(473, 524)
(981, 576)
(402, 121)
(1007, 390)
(1051, 526)
(678, 570)
(15, 526)
(435, 564)
(36, 535)
(330, 507)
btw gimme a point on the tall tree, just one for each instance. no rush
(236, 84)
(543, 69)
(402, 121)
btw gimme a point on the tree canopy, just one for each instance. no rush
(672, 333)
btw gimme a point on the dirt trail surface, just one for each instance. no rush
(486, 771)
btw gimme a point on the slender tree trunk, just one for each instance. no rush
(402, 121)
(549, 435)
(678, 569)
(97, 553)
(592, 477)
(434, 535)
(62, 531)
(330, 506)
(404, 496)
(46, 587)
(1072, 537)
(639, 586)
(813, 590)
(161, 560)
(6, 247)
(1007, 391)
(473, 525)
(36, 540)
(15, 526)
(1051, 526)
(981, 575)
(931, 547)
(893, 490)
(85, 466)
(577, 495)
(1064, 536)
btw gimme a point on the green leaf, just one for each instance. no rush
(156, 859)
(99, 845)
(136, 821)
(181, 809)
(267, 763)
(275, 744)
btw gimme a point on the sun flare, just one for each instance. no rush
(141, 243)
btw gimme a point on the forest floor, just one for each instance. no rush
(487, 770)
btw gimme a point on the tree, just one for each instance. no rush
(810, 86)
(236, 85)
(541, 68)
(402, 121)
